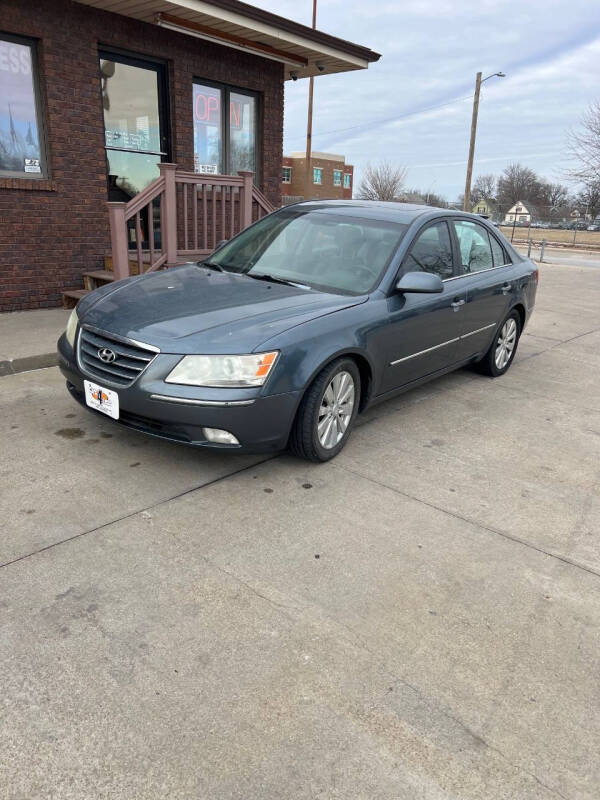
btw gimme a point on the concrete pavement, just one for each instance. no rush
(28, 339)
(417, 619)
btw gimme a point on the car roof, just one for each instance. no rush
(403, 213)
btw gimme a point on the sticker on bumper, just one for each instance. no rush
(104, 400)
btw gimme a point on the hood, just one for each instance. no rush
(192, 309)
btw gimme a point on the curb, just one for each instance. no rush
(16, 365)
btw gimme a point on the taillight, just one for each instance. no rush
(537, 276)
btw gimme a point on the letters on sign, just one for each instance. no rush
(207, 110)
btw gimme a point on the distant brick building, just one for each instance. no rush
(330, 177)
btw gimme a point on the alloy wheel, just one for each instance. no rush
(335, 411)
(506, 343)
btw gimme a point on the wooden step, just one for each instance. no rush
(133, 265)
(99, 277)
(72, 296)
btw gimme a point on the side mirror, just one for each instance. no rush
(220, 244)
(420, 282)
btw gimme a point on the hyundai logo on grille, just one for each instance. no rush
(107, 355)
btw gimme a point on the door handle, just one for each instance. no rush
(456, 304)
(506, 288)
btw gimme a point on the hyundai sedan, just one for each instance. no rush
(291, 329)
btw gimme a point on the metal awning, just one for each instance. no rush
(230, 23)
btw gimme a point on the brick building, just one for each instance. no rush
(330, 177)
(91, 100)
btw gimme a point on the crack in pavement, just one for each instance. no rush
(496, 531)
(312, 612)
(137, 511)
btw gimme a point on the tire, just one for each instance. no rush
(322, 418)
(498, 359)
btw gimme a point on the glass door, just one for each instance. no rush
(135, 122)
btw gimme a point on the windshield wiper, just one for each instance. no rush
(211, 264)
(263, 276)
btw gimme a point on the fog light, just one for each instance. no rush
(218, 436)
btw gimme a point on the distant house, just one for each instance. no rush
(484, 208)
(518, 213)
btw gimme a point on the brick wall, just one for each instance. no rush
(325, 190)
(53, 231)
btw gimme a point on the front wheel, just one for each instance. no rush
(502, 350)
(327, 412)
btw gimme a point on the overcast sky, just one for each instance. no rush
(431, 51)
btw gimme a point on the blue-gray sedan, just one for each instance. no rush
(288, 331)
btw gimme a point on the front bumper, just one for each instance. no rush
(172, 412)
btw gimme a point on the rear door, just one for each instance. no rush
(422, 331)
(488, 279)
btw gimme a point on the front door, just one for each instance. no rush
(135, 122)
(423, 331)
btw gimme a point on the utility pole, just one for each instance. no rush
(467, 200)
(311, 80)
(478, 82)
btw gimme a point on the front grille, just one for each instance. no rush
(131, 359)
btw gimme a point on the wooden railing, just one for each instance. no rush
(181, 216)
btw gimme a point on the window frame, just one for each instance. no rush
(283, 178)
(320, 171)
(453, 245)
(458, 260)
(40, 111)
(349, 176)
(339, 174)
(226, 89)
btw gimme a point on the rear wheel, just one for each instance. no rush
(327, 412)
(502, 350)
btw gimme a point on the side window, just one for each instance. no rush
(474, 244)
(500, 257)
(431, 252)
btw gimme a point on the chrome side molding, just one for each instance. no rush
(189, 402)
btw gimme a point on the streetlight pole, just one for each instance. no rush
(478, 82)
(311, 80)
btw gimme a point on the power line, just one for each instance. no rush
(390, 119)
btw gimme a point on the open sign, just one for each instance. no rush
(207, 110)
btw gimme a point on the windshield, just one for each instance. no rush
(318, 249)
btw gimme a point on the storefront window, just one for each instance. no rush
(224, 142)
(242, 132)
(208, 129)
(21, 136)
(133, 126)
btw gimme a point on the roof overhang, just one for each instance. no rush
(302, 50)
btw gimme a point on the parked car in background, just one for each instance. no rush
(593, 227)
(299, 323)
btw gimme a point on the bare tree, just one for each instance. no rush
(585, 146)
(382, 182)
(517, 183)
(484, 188)
(589, 199)
(553, 195)
(423, 198)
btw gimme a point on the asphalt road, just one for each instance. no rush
(417, 619)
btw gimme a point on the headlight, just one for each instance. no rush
(231, 371)
(72, 327)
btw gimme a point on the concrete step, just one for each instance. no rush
(99, 277)
(72, 296)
